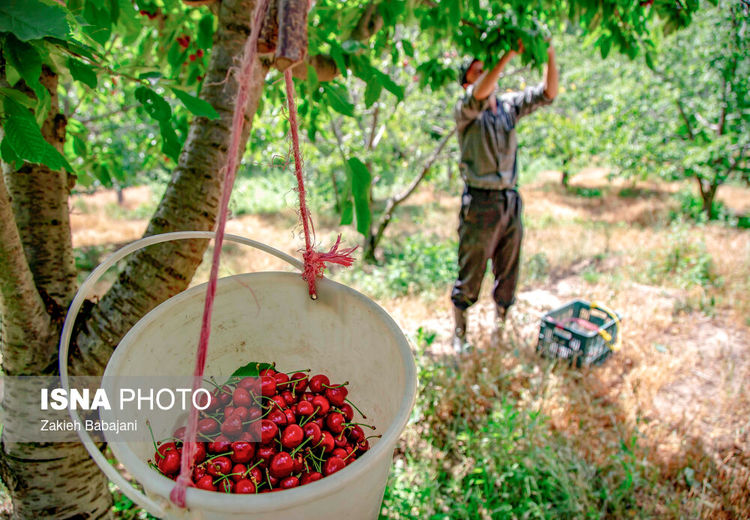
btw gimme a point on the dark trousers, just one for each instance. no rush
(489, 228)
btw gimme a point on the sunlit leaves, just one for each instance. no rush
(33, 19)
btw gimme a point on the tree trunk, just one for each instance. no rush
(59, 481)
(38, 282)
(191, 202)
(708, 194)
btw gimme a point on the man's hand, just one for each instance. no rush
(487, 83)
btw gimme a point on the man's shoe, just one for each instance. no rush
(459, 331)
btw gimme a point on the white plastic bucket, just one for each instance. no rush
(265, 316)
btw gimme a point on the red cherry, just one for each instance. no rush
(290, 417)
(327, 442)
(238, 472)
(241, 397)
(170, 464)
(278, 417)
(199, 453)
(268, 431)
(289, 397)
(206, 482)
(267, 386)
(179, 433)
(289, 482)
(241, 412)
(226, 486)
(356, 433)
(232, 427)
(340, 453)
(164, 448)
(310, 477)
(266, 454)
(220, 444)
(305, 408)
(267, 372)
(229, 410)
(319, 422)
(348, 411)
(251, 384)
(242, 451)
(335, 422)
(318, 382)
(198, 473)
(337, 395)
(281, 379)
(256, 475)
(278, 402)
(249, 436)
(332, 465)
(254, 413)
(224, 394)
(321, 404)
(208, 426)
(292, 436)
(300, 379)
(313, 432)
(282, 465)
(199, 53)
(219, 466)
(192, 57)
(340, 440)
(299, 463)
(244, 487)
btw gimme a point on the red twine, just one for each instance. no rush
(177, 495)
(315, 262)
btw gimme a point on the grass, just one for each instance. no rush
(472, 450)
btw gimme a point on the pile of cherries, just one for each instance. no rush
(267, 433)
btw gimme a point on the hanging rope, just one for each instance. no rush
(314, 261)
(246, 70)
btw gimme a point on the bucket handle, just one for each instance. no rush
(152, 506)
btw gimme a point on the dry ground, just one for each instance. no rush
(679, 382)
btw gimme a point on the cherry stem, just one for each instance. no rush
(374, 436)
(294, 452)
(295, 371)
(336, 386)
(355, 407)
(306, 420)
(209, 459)
(349, 424)
(153, 440)
(292, 381)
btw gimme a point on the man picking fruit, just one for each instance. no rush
(490, 220)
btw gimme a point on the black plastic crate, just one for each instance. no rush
(579, 332)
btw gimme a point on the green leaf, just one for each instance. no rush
(338, 56)
(338, 99)
(157, 107)
(372, 92)
(82, 72)
(361, 180)
(18, 97)
(79, 146)
(196, 105)
(252, 369)
(33, 19)
(26, 60)
(26, 140)
(408, 48)
(206, 32)
(100, 20)
(347, 212)
(153, 74)
(390, 85)
(9, 156)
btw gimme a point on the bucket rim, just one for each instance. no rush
(266, 502)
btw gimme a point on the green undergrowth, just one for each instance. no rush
(473, 451)
(415, 264)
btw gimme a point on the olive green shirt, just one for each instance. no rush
(488, 141)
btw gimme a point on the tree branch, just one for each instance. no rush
(691, 135)
(396, 200)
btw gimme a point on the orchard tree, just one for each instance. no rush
(160, 73)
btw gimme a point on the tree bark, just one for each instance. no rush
(292, 44)
(191, 202)
(37, 282)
